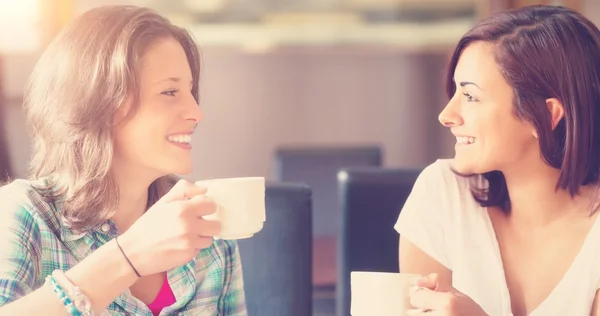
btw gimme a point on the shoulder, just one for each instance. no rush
(19, 203)
(17, 192)
(441, 172)
(440, 189)
(24, 208)
(440, 178)
(24, 218)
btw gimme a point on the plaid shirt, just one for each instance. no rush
(34, 242)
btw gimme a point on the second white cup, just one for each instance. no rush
(381, 293)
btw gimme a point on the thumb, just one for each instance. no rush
(430, 281)
(183, 190)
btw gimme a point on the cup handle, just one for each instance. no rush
(214, 215)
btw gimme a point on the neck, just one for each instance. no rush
(535, 201)
(133, 197)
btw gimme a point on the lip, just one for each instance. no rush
(183, 146)
(188, 132)
(462, 135)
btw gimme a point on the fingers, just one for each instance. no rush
(430, 281)
(425, 302)
(423, 312)
(424, 298)
(193, 211)
(208, 228)
(201, 242)
(182, 191)
(199, 206)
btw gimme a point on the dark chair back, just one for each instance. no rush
(371, 200)
(318, 167)
(276, 262)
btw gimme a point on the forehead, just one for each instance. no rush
(165, 57)
(477, 64)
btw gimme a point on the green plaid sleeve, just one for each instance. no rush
(19, 251)
(233, 301)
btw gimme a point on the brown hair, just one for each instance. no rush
(546, 52)
(83, 77)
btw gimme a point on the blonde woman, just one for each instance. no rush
(100, 228)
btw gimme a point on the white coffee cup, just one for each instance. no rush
(381, 293)
(241, 205)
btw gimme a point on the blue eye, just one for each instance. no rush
(469, 97)
(170, 93)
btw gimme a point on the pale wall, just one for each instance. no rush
(253, 103)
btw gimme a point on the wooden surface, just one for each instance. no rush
(324, 261)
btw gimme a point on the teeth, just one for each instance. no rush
(465, 140)
(182, 139)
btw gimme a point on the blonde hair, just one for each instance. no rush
(86, 73)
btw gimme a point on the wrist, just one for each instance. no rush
(126, 257)
(125, 251)
(103, 275)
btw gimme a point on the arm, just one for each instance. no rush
(424, 226)
(438, 293)
(105, 274)
(596, 305)
(102, 276)
(414, 260)
(233, 300)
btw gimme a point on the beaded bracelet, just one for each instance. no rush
(62, 296)
(81, 302)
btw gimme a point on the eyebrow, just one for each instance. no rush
(172, 79)
(466, 83)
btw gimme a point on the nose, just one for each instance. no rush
(193, 111)
(450, 116)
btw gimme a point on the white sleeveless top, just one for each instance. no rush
(443, 220)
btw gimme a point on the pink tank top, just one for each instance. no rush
(165, 298)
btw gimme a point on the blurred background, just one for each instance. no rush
(279, 72)
(288, 74)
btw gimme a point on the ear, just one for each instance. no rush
(557, 112)
(122, 111)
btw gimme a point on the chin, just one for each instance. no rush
(460, 167)
(466, 167)
(182, 170)
(179, 167)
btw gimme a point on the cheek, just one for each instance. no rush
(512, 141)
(502, 132)
(120, 139)
(139, 137)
